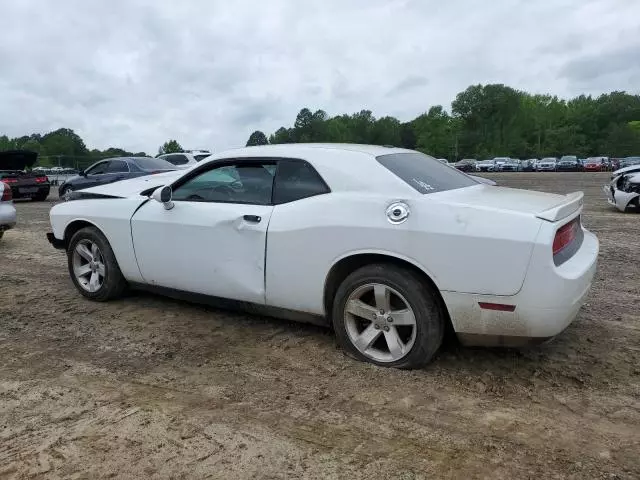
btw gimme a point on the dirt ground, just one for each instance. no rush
(147, 387)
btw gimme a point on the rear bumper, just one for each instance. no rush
(30, 191)
(57, 244)
(548, 302)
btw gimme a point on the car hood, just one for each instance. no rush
(501, 198)
(17, 159)
(133, 186)
(624, 170)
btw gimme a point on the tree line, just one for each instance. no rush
(486, 121)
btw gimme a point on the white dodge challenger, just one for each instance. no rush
(387, 245)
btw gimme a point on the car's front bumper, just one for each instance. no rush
(562, 288)
(8, 216)
(56, 243)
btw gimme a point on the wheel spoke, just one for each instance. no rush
(382, 295)
(403, 317)
(101, 270)
(94, 282)
(396, 347)
(82, 270)
(94, 251)
(361, 309)
(84, 252)
(367, 337)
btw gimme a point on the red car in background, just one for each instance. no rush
(595, 164)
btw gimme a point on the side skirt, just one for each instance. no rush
(233, 305)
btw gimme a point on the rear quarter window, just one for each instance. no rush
(424, 173)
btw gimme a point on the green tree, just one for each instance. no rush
(257, 138)
(170, 146)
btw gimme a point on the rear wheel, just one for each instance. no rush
(388, 316)
(93, 266)
(41, 197)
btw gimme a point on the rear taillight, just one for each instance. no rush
(9, 180)
(566, 235)
(6, 195)
(41, 179)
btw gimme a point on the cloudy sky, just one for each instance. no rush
(134, 73)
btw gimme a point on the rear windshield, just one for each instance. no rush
(154, 164)
(425, 173)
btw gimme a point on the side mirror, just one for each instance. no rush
(163, 195)
(83, 173)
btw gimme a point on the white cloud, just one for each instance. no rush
(133, 73)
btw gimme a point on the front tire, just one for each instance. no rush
(388, 316)
(65, 191)
(93, 266)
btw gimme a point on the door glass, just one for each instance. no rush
(177, 159)
(98, 169)
(241, 183)
(118, 166)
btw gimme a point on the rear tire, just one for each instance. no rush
(40, 198)
(93, 266)
(391, 304)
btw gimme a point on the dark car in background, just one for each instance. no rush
(466, 165)
(112, 170)
(14, 165)
(568, 163)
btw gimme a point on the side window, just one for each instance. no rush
(98, 169)
(238, 183)
(295, 180)
(118, 166)
(177, 159)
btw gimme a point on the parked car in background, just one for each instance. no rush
(14, 165)
(623, 192)
(185, 159)
(511, 165)
(547, 164)
(529, 165)
(485, 166)
(594, 164)
(231, 228)
(568, 163)
(466, 165)
(629, 161)
(113, 170)
(499, 162)
(7, 210)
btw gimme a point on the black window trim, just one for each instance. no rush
(223, 162)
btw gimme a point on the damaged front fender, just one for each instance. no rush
(624, 192)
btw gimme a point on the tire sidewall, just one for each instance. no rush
(418, 294)
(112, 273)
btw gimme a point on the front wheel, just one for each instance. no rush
(388, 316)
(66, 191)
(93, 266)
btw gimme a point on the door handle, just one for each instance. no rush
(252, 218)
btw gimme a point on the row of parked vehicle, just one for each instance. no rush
(567, 163)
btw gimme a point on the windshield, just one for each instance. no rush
(425, 173)
(548, 160)
(569, 158)
(153, 164)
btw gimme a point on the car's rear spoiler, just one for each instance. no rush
(572, 203)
